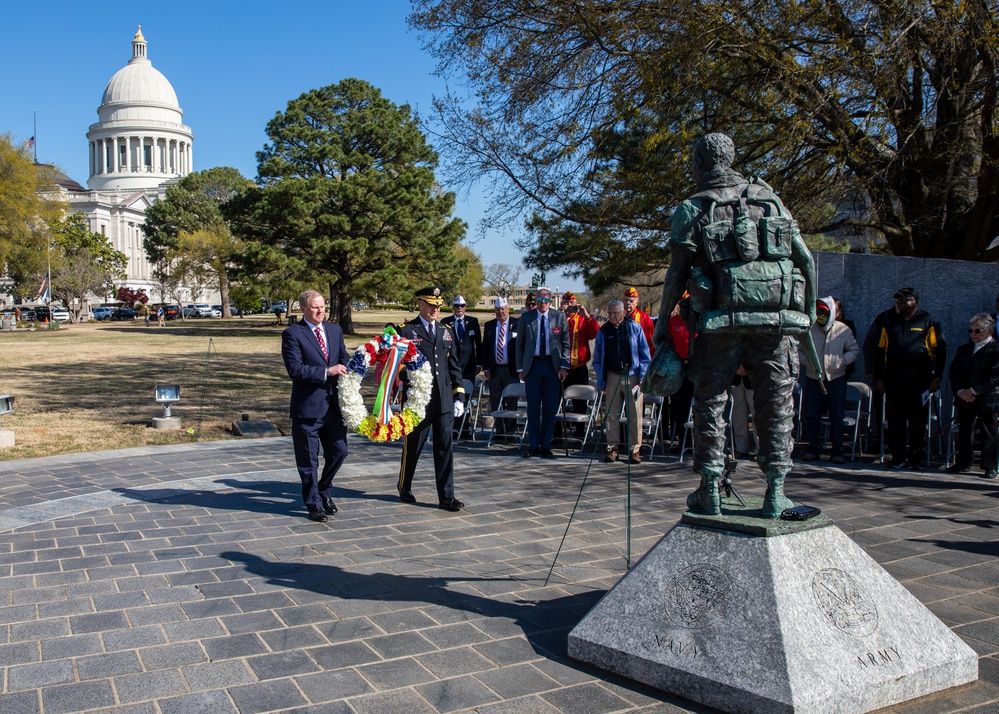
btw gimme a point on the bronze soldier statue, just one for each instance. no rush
(751, 279)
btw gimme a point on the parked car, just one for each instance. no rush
(279, 306)
(102, 313)
(123, 313)
(170, 312)
(199, 310)
(60, 314)
(233, 311)
(41, 313)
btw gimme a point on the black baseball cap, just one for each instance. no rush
(906, 293)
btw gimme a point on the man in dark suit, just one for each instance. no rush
(542, 363)
(499, 361)
(315, 357)
(466, 332)
(447, 400)
(974, 381)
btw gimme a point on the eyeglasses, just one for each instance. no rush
(976, 330)
(545, 300)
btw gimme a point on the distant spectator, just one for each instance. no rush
(908, 362)
(643, 319)
(161, 316)
(582, 329)
(838, 349)
(679, 332)
(144, 312)
(620, 359)
(974, 381)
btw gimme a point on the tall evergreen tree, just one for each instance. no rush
(348, 200)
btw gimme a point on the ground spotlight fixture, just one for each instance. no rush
(167, 394)
(6, 407)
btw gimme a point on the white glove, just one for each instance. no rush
(459, 408)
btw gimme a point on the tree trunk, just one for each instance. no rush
(341, 310)
(224, 293)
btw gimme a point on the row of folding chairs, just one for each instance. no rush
(513, 410)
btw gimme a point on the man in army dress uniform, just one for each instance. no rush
(752, 288)
(437, 343)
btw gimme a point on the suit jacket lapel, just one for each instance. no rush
(310, 337)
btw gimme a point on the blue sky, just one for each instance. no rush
(233, 66)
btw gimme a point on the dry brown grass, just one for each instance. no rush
(90, 387)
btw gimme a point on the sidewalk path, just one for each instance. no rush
(186, 579)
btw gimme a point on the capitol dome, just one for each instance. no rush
(139, 82)
(139, 140)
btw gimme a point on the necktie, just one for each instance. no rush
(543, 351)
(500, 342)
(322, 342)
(459, 329)
(433, 333)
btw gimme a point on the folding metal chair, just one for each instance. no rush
(459, 424)
(481, 401)
(651, 418)
(688, 430)
(514, 390)
(860, 394)
(578, 392)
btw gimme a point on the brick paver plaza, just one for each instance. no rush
(187, 579)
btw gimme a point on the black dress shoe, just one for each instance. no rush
(406, 496)
(318, 516)
(546, 454)
(452, 505)
(957, 469)
(329, 506)
(528, 453)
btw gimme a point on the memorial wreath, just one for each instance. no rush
(395, 353)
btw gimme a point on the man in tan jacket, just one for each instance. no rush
(837, 348)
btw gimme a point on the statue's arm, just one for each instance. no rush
(802, 259)
(683, 249)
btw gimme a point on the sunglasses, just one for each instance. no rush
(546, 300)
(976, 330)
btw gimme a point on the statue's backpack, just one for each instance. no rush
(749, 283)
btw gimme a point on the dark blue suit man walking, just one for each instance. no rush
(315, 357)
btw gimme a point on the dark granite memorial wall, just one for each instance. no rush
(950, 290)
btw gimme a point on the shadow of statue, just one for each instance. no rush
(545, 623)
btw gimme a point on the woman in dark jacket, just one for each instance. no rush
(974, 381)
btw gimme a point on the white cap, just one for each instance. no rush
(501, 302)
(458, 300)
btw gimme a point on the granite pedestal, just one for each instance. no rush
(747, 614)
(6, 438)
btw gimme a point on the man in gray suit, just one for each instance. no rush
(542, 363)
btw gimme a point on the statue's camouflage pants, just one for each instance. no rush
(771, 361)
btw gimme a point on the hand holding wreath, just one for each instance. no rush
(385, 424)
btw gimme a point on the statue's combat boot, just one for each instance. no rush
(705, 499)
(775, 501)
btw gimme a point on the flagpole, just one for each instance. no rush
(35, 136)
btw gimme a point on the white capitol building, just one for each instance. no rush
(137, 147)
